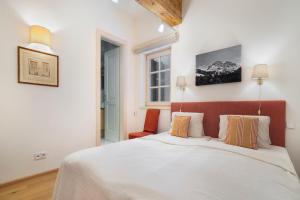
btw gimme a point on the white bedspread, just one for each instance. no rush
(163, 167)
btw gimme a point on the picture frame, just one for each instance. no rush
(37, 67)
(220, 66)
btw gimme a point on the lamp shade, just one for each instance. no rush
(39, 34)
(260, 72)
(181, 82)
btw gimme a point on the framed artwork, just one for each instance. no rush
(37, 68)
(221, 66)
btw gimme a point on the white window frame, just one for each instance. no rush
(149, 57)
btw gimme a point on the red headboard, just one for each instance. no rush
(212, 110)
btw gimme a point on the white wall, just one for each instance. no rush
(268, 31)
(56, 120)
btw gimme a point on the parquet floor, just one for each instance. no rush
(36, 188)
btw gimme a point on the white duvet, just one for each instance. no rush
(163, 167)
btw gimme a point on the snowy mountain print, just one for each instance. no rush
(222, 66)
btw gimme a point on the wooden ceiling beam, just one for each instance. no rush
(169, 11)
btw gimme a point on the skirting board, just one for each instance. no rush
(26, 178)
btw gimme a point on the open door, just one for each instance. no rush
(112, 94)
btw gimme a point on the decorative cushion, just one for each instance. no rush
(242, 131)
(180, 126)
(263, 139)
(151, 121)
(196, 123)
(138, 135)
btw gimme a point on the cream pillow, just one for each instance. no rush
(263, 139)
(196, 123)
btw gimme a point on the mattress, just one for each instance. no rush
(164, 167)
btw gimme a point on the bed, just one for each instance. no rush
(165, 167)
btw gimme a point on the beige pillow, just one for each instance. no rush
(180, 126)
(242, 131)
(196, 123)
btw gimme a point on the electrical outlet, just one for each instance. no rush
(39, 156)
(44, 155)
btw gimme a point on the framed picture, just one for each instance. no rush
(221, 66)
(38, 68)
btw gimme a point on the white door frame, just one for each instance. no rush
(124, 49)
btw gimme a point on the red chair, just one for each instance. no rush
(150, 126)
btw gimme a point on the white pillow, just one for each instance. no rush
(263, 138)
(196, 123)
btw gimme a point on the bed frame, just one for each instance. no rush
(275, 109)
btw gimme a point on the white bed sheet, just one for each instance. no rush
(164, 167)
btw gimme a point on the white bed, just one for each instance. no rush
(164, 167)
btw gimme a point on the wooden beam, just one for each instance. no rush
(168, 11)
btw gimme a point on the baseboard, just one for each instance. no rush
(27, 177)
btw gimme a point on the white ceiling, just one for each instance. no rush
(132, 8)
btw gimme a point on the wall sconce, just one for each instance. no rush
(41, 35)
(260, 73)
(181, 82)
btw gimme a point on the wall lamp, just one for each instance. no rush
(40, 35)
(260, 73)
(181, 82)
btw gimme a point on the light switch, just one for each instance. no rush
(290, 126)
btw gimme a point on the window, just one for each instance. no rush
(158, 78)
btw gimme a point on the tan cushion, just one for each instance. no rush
(180, 126)
(263, 135)
(242, 131)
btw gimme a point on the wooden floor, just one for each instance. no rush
(35, 188)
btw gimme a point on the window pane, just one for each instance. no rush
(165, 78)
(154, 64)
(165, 94)
(154, 94)
(154, 79)
(165, 62)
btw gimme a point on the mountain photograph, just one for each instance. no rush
(221, 66)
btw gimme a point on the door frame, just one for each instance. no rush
(123, 44)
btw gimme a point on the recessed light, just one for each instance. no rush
(115, 1)
(161, 28)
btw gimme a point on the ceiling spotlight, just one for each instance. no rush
(161, 28)
(115, 1)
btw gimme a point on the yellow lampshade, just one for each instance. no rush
(260, 72)
(39, 34)
(181, 82)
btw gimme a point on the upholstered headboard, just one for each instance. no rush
(275, 109)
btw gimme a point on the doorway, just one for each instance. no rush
(110, 91)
